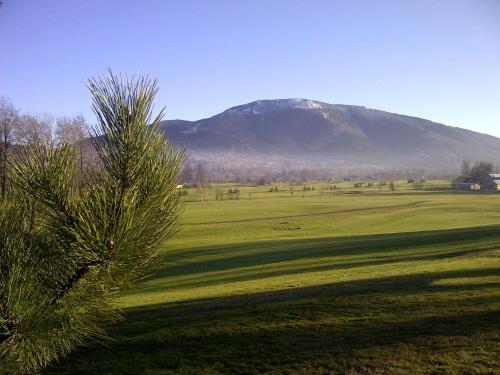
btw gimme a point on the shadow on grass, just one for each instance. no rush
(386, 325)
(374, 249)
(346, 245)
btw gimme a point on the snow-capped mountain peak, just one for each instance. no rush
(262, 106)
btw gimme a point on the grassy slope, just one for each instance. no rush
(372, 283)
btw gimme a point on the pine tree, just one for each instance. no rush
(66, 253)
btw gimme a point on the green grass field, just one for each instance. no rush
(351, 281)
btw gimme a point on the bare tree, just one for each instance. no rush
(75, 132)
(291, 187)
(70, 129)
(35, 129)
(465, 169)
(201, 181)
(9, 117)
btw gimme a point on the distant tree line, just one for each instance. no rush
(18, 131)
(229, 172)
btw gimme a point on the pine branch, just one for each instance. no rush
(57, 237)
(73, 280)
(8, 322)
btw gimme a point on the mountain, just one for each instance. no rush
(313, 133)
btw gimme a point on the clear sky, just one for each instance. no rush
(433, 59)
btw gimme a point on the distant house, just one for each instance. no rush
(488, 182)
(491, 182)
(470, 184)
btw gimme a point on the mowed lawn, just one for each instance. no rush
(329, 282)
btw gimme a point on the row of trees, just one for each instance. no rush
(67, 249)
(22, 130)
(226, 171)
(477, 171)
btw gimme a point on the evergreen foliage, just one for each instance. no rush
(65, 253)
(481, 169)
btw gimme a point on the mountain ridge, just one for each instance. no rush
(301, 129)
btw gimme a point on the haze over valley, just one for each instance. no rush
(336, 138)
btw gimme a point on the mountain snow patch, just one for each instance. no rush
(311, 104)
(262, 106)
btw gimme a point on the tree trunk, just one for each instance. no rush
(3, 172)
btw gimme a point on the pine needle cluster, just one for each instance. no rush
(66, 253)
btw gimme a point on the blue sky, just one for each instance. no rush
(434, 59)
